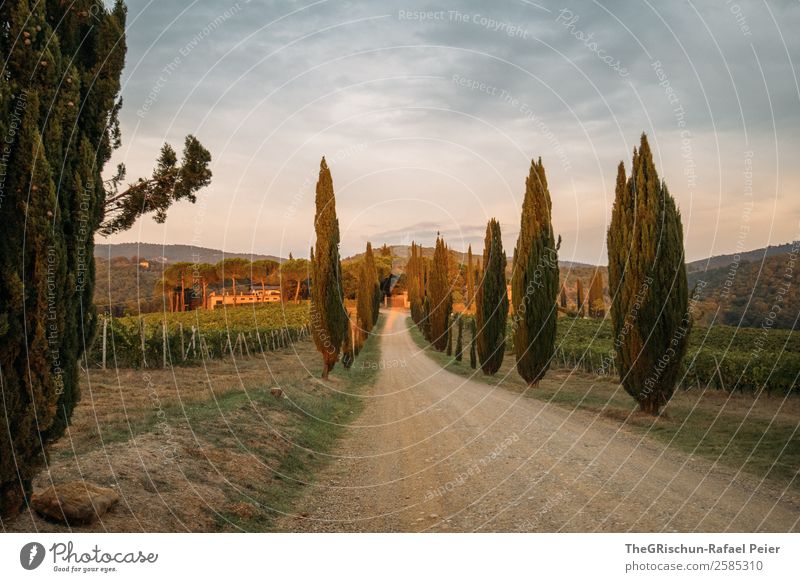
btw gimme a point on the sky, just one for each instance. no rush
(429, 114)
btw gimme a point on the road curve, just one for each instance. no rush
(433, 451)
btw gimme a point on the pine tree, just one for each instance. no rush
(470, 275)
(491, 302)
(329, 319)
(579, 295)
(597, 307)
(535, 281)
(460, 338)
(440, 302)
(647, 283)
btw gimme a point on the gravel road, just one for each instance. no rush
(435, 452)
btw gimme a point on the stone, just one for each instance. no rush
(74, 503)
(276, 392)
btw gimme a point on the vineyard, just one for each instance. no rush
(720, 356)
(725, 357)
(158, 340)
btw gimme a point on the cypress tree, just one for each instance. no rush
(473, 358)
(647, 283)
(414, 276)
(450, 337)
(491, 302)
(364, 299)
(597, 308)
(460, 338)
(369, 289)
(439, 297)
(58, 118)
(377, 294)
(535, 280)
(329, 318)
(470, 279)
(564, 296)
(579, 297)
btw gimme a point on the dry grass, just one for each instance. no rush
(203, 448)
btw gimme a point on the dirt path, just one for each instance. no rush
(435, 452)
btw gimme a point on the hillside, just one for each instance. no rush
(172, 253)
(746, 293)
(719, 261)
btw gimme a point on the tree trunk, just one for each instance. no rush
(183, 295)
(233, 279)
(324, 370)
(297, 292)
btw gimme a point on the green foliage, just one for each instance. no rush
(263, 269)
(328, 315)
(597, 306)
(491, 302)
(473, 357)
(415, 281)
(745, 293)
(369, 292)
(170, 183)
(440, 301)
(460, 338)
(58, 122)
(138, 341)
(233, 269)
(534, 282)
(579, 297)
(647, 283)
(470, 279)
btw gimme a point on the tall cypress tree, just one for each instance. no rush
(491, 302)
(597, 307)
(414, 276)
(579, 295)
(58, 118)
(647, 283)
(329, 320)
(534, 282)
(564, 295)
(470, 276)
(473, 358)
(369, 289)
(364, 299)
(460, 338)
(440, 301)
(372, 274)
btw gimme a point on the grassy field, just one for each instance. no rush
(207, 449)
(758, 435)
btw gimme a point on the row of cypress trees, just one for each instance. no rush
(647, 283)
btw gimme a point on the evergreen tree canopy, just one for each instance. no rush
(491, 302)
(59, 104)
(597, 306)
(534, 280)
(647, 283)
(329, 319)
(579, 295)
(440, 302)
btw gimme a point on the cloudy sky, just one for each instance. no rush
(430, 112)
